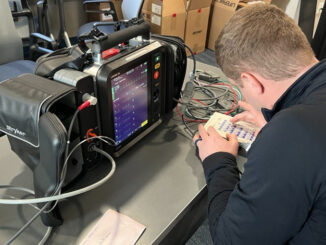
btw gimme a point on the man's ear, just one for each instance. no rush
(252, 82)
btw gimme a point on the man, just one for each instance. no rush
(281, 197)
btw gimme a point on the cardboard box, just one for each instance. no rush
(166, 17)
(197, 24)
(103, 6)
(222, 11)
(196, 4)
(247, 1)
(244, 3)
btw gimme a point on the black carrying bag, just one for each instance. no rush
(36, 135)
(73, 58)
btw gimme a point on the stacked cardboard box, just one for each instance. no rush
(103, 6)
(222, 11)
(247, 1)
(166, 17)
(197, 24)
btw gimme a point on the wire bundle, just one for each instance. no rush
(210, 95)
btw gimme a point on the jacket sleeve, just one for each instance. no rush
(221, 175)
(271, 202)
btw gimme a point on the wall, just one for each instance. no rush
(291, 7)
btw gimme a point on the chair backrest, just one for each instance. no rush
(11, 45)
(131, 8)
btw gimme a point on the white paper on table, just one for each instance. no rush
(114, 228)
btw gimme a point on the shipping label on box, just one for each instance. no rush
(166, 17)
(156, 9)
(228, 4)
(156, 19)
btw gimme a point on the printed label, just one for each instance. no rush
(15, 131)
(156, 9)
(221, 123)
(156, 19)
(227, 3)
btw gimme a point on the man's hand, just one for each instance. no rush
(211, 142)
(250, 115)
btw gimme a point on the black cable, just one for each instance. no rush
(69, 132)
(104, 153)
(216, 98)
(192, 133)
(208, 109)
(193, 57)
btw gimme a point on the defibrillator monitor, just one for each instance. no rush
(131, 94)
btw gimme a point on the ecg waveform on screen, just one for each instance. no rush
(130, 102)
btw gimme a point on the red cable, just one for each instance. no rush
(84, 105)
(90, 133)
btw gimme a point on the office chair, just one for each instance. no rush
(318, 42)
(12, 61)
(43, 25)
(130, 9)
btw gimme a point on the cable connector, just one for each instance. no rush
(207, 77)
(88, 101)
(92, 100)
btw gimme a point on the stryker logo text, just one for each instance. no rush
(15, 130)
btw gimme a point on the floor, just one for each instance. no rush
(202, 236)
(207, 57)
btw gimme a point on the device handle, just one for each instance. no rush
(123, 35)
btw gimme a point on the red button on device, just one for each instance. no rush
(156, 74)
(110, 52)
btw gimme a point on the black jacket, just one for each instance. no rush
(281, 197)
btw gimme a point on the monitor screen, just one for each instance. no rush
(130, 102)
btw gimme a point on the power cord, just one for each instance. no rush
(46, 235)
(54, 197)
(67, 194)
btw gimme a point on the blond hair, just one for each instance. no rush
(262, 38)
